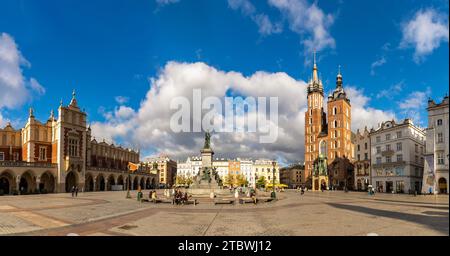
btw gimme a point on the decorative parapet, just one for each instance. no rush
(26, 164)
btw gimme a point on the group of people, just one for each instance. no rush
(74, 191)
(179, 197)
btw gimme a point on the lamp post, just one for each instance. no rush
(273, 195)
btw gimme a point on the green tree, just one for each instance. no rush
(261, 182)
(241, 180)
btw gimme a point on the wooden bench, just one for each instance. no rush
(191, 201)
(245, 200)
(164, 201)
(224, 201)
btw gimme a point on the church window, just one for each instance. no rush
(42, 153)
(336, 144)
(336, 124)
(73, 147)
(439, 122)
(334, 111)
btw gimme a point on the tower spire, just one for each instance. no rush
(339, 78)
(315, 76)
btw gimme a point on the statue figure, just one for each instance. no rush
(207, 140)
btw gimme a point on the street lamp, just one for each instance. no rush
(273, 195)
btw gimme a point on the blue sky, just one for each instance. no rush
(106, 49)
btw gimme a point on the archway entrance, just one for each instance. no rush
(4, 186)
(147, 183)
(135, 183)
(142, 184)
(442, 186)
(120, 182)
(71, 180)
(100, 183)
(47, 184)
(26, 184)
(89, 184)
(111, 182)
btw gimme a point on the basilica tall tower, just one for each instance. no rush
(315, 119)
(339, 123)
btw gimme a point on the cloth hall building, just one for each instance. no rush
(54, 156)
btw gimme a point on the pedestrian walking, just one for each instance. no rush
(73, 191)
(76, 191)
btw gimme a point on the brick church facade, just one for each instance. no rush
(327, 135)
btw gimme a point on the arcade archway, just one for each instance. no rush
(6, 183)
(111, 182)
(26, 183)
(71, 181)
(89, 183)
(47, 184)
(135, 183)
(100, 183)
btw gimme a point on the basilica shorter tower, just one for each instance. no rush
(327, 135)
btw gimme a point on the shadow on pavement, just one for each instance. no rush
(438, 223)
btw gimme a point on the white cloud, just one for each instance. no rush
(36, 86)
(121, 99)
(415, 100)
(378, 63)
(166, 2)
(309, 21)
(391, 91)
(14, 89)
(362, 114)
(149, 126)
(425, 32)
(2, 121)
(265, 25)
(12, 85)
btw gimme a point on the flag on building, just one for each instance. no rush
(133, 167)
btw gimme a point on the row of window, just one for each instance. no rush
(365, 146)
(3, 156)
(388, 159)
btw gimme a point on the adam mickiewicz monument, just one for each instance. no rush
(207, 179)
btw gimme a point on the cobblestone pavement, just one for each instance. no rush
(313, 214)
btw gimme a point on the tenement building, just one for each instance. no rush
(362, 160)
(293, 175)
(435, 178)
(166, 167)
(326, 135)
(397, 157)
(58, 154)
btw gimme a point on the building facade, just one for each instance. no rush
(293, 176)
(397, 157)
(58, 154)
(264, 168)
(326, 135)
(167, 169)
(362, 160)
(247, 171)
(435, 178)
